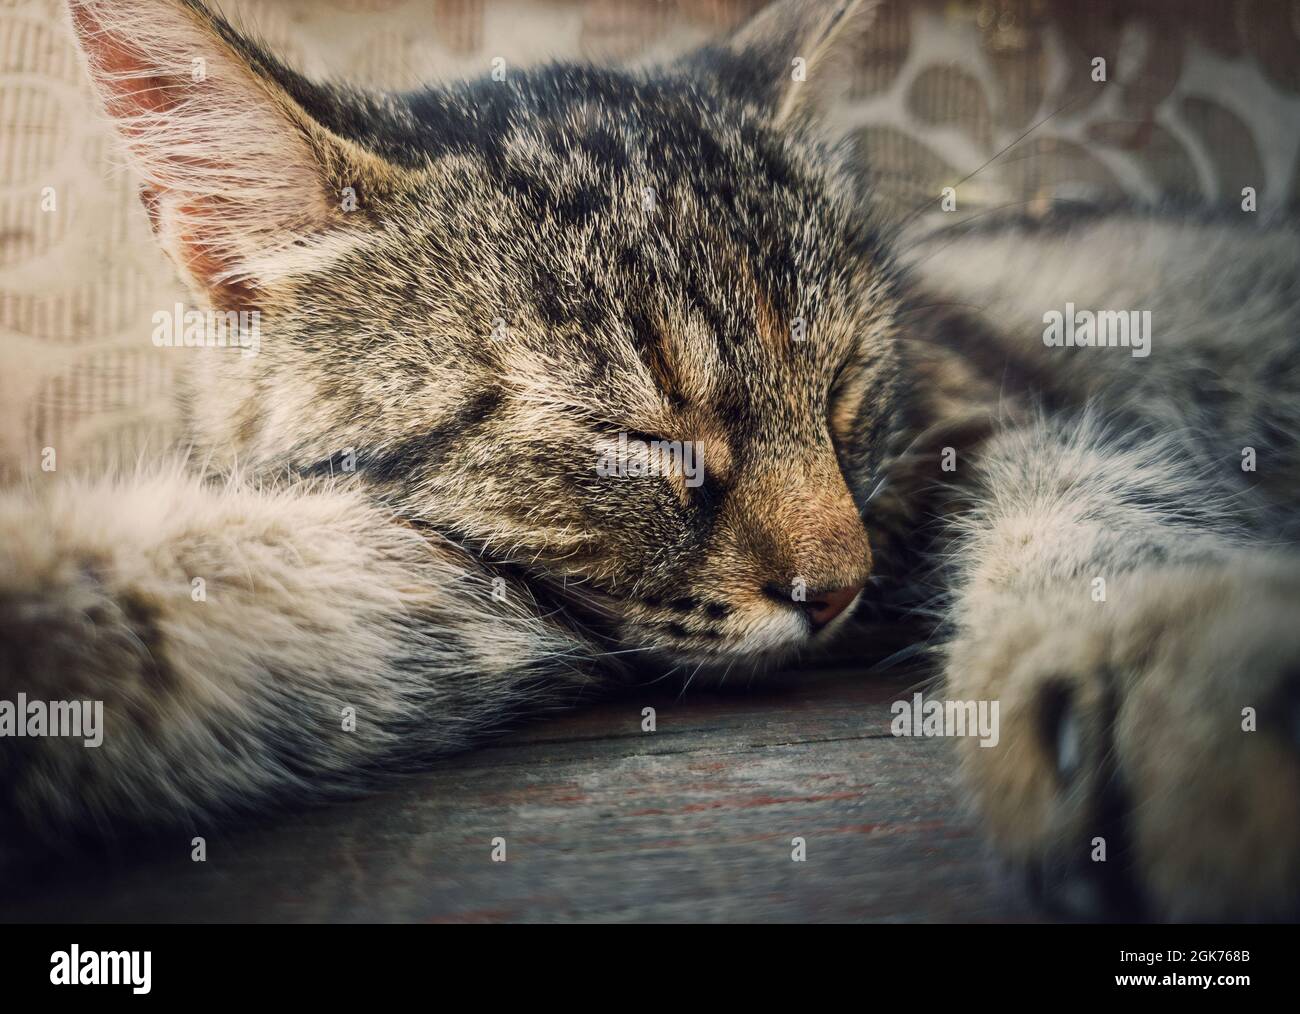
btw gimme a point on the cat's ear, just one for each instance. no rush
(792, 59)
(241, 182)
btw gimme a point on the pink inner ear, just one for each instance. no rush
(211, 207)
(129, 91)
(118, 69)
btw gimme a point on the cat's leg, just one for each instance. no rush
(1145, 659)
(246, 645)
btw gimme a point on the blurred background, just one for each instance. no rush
(1202, 98)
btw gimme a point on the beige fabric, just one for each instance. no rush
(1202, 99)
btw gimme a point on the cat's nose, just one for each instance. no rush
(829, 604)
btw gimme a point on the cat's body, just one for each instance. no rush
(418, 531)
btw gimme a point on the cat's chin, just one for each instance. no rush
(738, 663)
(766, 640)
(707, 663)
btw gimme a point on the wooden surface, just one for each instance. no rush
(602, 821)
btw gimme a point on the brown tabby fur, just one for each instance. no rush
(409, 522)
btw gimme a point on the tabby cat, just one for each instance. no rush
(469, 296)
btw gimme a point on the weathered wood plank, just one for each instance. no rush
(602, 821)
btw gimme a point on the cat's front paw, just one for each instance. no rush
(1148, 757)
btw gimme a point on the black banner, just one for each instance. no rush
(891, 962)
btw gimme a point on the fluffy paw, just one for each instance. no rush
(1149, 754)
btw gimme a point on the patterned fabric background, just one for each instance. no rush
(1202, 99)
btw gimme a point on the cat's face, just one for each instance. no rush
(650, 361)
(628, 335)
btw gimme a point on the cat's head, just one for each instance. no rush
(629, 332)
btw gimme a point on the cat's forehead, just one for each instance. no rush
(665, 248)
(583, 148)
(622, 196)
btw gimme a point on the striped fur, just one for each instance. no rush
(399, 509)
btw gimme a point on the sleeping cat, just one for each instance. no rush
(470, 297)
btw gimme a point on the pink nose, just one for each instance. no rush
(829, 604)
